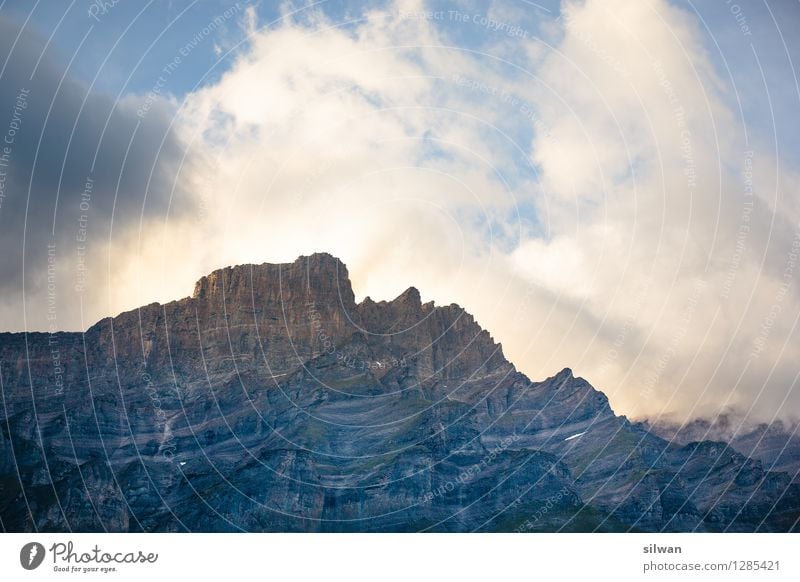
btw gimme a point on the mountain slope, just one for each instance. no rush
(271, 401)
(775, 444)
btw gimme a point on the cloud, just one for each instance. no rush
(671, 214)
(81, 168)
(588, 193)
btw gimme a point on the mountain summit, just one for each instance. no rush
(270, 400)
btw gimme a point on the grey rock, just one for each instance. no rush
(270, 400)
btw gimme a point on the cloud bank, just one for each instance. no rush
(588, 190)
(79, 169)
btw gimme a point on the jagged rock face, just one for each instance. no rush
(271, 401)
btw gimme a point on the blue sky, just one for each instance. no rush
(125, 46)
(123, 49)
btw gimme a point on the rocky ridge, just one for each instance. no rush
(270, 400)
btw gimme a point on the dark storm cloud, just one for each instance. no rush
(57, 137)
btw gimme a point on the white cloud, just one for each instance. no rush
(361, 141)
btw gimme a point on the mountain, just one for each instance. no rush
(270, 400)
(776, 444)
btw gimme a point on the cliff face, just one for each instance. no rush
(271, 401)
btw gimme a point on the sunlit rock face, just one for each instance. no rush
(270, 400)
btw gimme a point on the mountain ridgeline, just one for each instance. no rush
(271, 401)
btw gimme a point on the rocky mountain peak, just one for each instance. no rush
(564, 375)
(319, 272)
(329, 415)
(410, 297)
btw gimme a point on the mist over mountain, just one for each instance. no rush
(776, 444)
(270, 400)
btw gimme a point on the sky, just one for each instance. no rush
(609, 186)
